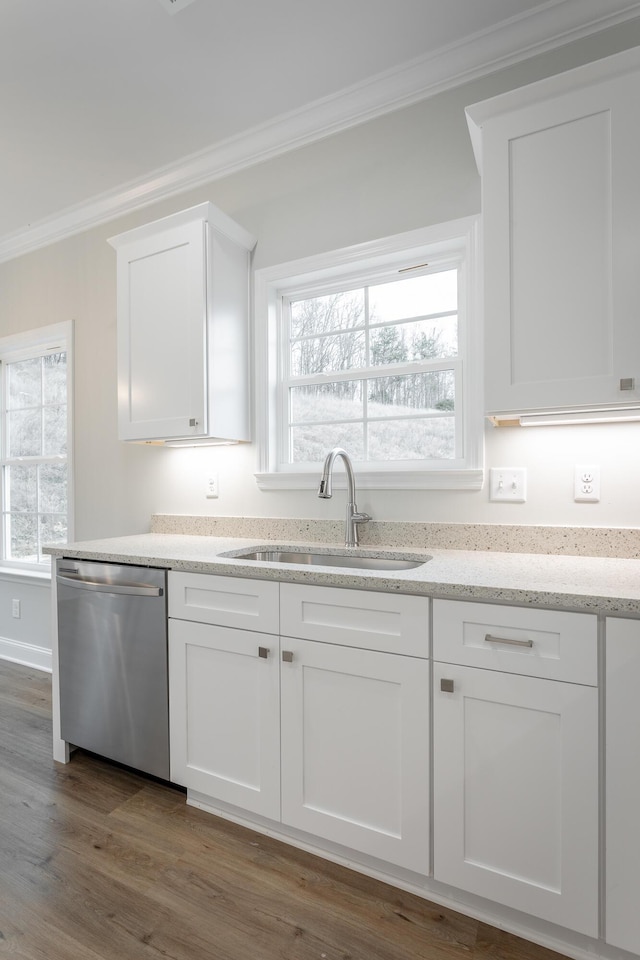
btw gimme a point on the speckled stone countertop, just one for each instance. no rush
(603, 585)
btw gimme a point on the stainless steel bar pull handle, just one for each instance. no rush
(100, 586)
(489, 638)
(287, 656)
(263, 652)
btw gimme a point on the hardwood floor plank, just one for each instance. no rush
(100, 863)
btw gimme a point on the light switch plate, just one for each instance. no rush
(508, 484)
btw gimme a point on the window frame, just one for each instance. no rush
(24, 346)
(455, 241)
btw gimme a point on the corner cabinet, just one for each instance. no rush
(622, 918)
(515, 776)
(561, 210)
(182, 302)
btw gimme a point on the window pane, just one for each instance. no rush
(412, 439)
(327, 401)
(419, 340)
(23, 537)
(24, 383)
(54, 386)
(337, 311)
(24, 438)
(21, 492)
(53, 488)
(313, 443)
(326, 354)
(53, 529)
(55, 430)
(414, 297)
(414, 393)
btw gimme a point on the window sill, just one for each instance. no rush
(378, 480)
(26, 576)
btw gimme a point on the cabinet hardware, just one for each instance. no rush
(489, 638)
(193, 422)
(627, 383)
(263, 652)
(287, 656)
(446, 686)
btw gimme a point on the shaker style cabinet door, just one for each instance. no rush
(225, 714)
(622, 894)
(516, 792)
(560, 207)
(162, 312)
(355, 749)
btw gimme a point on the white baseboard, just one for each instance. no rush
(26, 653)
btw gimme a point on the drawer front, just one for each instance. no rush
(550, 644)
(225, 601)
(356, 618)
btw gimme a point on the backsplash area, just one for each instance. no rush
(623, 542)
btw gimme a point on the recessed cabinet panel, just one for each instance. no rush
(516, 792)
(225, 723)
(226, 601)
(355, 735)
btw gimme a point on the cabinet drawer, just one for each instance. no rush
(356, 618)
(226, 601)
(550, 644)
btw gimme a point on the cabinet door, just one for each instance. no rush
(622, 923)
(516, 792)
(224, 714)
(162, 335)
(355, 749)
(560, 204)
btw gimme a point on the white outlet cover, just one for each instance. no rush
(508, 484)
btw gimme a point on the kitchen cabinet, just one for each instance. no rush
(516, 758)
(344, 728)
(560, 210)
(182, 304)
(224, 689)
(355, 720)
(622, 748)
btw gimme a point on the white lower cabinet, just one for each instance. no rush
(355, 749)
(324, 737)
(516, 764)
(622, 919)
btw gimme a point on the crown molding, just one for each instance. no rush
(557, 23)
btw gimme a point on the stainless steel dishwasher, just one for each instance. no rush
(112, 651)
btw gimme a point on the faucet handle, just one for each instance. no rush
(360, 517)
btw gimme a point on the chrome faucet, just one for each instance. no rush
(353, 518)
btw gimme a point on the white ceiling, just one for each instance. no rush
(105, 104)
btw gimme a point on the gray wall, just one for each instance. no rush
(406, 170)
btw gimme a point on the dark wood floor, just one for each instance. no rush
(97, 862)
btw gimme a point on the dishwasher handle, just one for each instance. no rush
(101, 586)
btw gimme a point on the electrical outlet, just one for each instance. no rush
(15, 609)
(586, 485)
(508, 483)
(211, 492)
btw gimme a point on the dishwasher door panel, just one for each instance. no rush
(112, 650)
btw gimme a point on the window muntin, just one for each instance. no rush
(374, 368)
(34, 431)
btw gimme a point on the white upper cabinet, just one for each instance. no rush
(183, 287)
(561, 215)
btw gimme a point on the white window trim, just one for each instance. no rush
(272, 282)
(12, 348)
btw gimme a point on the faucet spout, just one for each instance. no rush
(325, 491)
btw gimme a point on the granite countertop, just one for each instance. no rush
(604, 585)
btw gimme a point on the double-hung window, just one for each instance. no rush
(374, 349)
(35, 444)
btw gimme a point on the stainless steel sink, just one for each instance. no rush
(344, 558)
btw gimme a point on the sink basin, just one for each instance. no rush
(330, 559)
